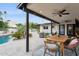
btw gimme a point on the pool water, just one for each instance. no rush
(4, 39)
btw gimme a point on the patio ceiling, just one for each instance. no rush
(47, 9)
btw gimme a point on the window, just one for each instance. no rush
(70, 29)
(62, 29)
(45, 27)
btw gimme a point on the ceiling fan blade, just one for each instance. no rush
(60, 15)
(62, 11)
(54, 13)
(65, 13)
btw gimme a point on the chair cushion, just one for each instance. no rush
(50, 46)
(73, 43)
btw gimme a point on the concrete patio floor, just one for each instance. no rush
(18, 48)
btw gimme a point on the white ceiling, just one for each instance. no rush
(47, 9)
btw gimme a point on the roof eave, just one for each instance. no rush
(22, 5)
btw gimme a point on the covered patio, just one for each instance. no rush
(54, 13)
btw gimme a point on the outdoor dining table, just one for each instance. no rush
(61, 43)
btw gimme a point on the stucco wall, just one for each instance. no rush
(55, 28)
(45, 30)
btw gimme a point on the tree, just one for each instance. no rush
(5, 14)
(3, 26)
(33, 25)
(20, 33)
(20, 27)
(6, 26)
(1, 18)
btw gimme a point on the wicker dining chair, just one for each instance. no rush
(51, 46)
(63, 38)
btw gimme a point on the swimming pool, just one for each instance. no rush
(4, 39)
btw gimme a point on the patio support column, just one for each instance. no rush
(51, 27)
(27, 32)
(27, 28)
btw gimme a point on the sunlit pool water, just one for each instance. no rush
(4, 39)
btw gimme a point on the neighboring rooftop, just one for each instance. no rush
(12, 23)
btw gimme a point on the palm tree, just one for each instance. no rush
(5, 14)
(3, 25)
(1, 18)
(1, 14)
(20, 27)
(33, 26)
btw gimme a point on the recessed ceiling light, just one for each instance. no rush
(40, 11)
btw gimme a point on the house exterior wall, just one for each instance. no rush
(12, 26)
(45, 30)
(55, 27)
(12, 30)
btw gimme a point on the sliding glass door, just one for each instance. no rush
(62, 29)
(70, 29)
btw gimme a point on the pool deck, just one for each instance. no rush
(18, 48)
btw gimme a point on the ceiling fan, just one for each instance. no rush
(62, 12)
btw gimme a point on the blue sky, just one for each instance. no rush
(13, 13)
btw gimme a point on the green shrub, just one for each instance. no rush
(18, 35)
